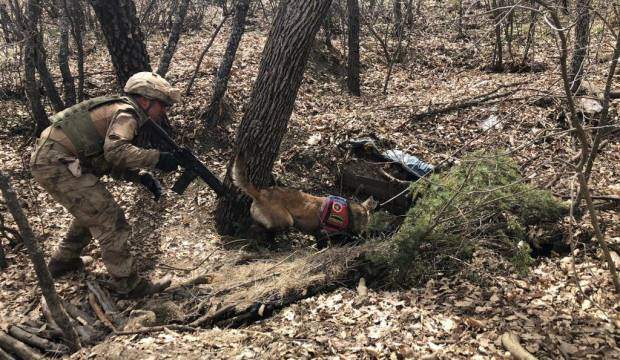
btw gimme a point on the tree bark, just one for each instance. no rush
(398, 17)
(328, 29)
(36, 256)
(173, 39)
(17, 347)
(212, 113)
(531, 32)
(508, 29)
(353, 68)
(582, 39)
(37, 341)
(409, 18)
(19, 21)
(498, 63)
(76, 17)
(170, 16)
(68, 86)
(124, 38)
(5, 356)
(34, 58)
(30, 82)
(272, 98)
(46, 77)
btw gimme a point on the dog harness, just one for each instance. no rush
(334, 214)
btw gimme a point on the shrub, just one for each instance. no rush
(483, 201)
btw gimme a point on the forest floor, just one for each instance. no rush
(557, 311)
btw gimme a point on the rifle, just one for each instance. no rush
(192, 166)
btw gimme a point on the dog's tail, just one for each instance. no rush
(240, 178)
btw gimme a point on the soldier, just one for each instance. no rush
(94, 138)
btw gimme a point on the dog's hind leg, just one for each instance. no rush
(273, 219)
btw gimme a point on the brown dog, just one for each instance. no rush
(278, 208)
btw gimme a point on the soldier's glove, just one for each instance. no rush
(167, 162)
(184, 156)
(150, 182)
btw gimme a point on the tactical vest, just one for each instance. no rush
(78, 126)
(334, 214)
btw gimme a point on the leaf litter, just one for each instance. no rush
(461, 316)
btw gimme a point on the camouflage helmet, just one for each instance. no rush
(152, 86)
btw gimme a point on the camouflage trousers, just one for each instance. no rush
(96, 213)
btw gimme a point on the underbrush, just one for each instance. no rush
(482, 202)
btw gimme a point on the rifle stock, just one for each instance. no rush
(192, 165)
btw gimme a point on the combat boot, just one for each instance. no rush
(59, 267)
(147, 287)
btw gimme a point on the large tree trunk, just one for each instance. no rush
(68, 85)
(33, 9)
(121, 29)
(582, 40)
(353, 68)
(36, 256)
(271, 101)
(212, 114)
(173, 39)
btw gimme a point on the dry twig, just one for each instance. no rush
(511, 343)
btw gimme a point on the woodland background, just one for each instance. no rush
(456, 83)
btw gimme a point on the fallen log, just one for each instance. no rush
(44, 329)
(44, 333)
(5, 356)
(37, 341)
(35, 323)
(209, 319)
(511, 343)
(17, 347)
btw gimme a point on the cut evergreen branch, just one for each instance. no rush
(483, 201)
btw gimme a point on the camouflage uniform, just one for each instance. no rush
(74, 182)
